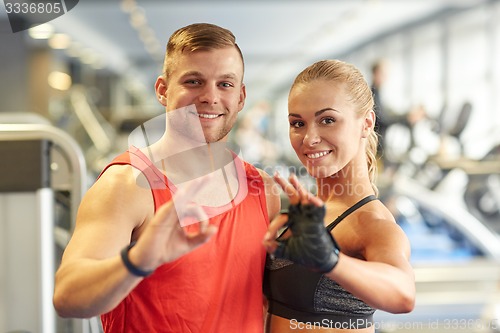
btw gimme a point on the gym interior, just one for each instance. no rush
(77, 88)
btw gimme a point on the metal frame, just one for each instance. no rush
(49, 234)
(13, 132)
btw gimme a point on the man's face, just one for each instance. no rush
(211, 81)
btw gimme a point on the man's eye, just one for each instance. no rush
(226, 85)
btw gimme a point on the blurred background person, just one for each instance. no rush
(387, 116)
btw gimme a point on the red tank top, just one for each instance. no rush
(217, 287)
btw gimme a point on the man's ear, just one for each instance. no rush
(161, 90)
(368, 123)
(243, 96)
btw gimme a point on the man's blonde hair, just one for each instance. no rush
(196, 37)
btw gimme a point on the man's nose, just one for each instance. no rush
(209, 94)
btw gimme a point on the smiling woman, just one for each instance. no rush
(317, 276)
(318, 109)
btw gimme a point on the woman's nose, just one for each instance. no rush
(312, 137)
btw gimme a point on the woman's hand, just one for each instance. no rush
(309, 244)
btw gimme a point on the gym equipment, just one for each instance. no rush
(42, 180)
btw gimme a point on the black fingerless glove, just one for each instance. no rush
(310, 244)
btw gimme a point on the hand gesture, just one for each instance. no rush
(164, 239)
(309, 244)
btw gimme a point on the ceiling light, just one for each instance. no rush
(60, 41)
(59, 80)
(137, 17)
(128, 5)
(42, 31)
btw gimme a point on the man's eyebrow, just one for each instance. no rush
(228, 76)
(232, 76)
(317, 113)
(192, 73)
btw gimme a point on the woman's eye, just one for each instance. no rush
(296, 123)
(327, 121)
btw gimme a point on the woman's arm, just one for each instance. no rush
(385, 279)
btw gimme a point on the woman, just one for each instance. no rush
(310, 284)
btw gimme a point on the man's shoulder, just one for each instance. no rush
(254, 172)
(119, 176)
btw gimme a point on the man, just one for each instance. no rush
(139, 255)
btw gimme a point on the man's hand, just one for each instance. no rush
(164, 239)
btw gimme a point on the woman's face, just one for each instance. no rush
(325, 131)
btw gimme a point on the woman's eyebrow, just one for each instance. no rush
(317, 113)
(324, 110)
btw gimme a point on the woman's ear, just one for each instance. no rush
(161, 90)
(368, 123)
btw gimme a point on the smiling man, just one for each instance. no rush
(169, 238)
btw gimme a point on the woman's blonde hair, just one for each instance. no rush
(359, 91)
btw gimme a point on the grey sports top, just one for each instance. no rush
(295, 292)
